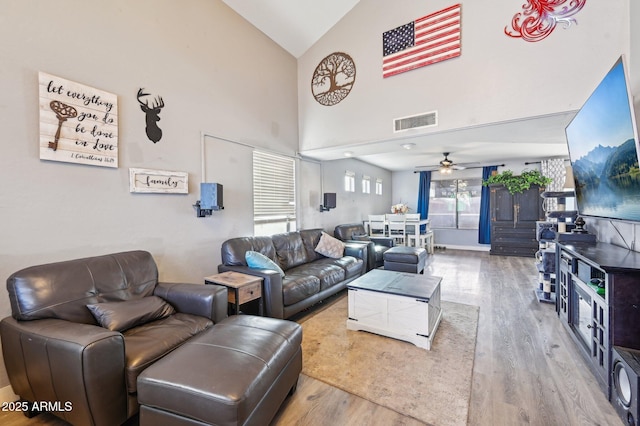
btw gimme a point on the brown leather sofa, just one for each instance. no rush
(309, 276)
(55, 351)
(377, 245)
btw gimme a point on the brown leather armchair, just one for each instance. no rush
(57, 351)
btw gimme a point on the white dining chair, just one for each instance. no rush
(377, 226)
(412, 226)
(422, 239)
(396, 223)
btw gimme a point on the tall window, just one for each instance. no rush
(274, 206)
(455, 203)
(349, 181)
(366, 184)
(378, 186)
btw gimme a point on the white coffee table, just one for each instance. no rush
(400, 305)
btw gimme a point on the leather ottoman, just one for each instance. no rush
(237, 373)
(405, 259)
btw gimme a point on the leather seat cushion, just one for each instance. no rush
(297, 287)
(222, 375)
(352, 266)
(327, 272)
(147, 343)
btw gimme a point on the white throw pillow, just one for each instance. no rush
(330, 247)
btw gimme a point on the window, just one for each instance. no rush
(274, 207)
(366, 185)
(349, 181)
(455, 203)
(378, 186)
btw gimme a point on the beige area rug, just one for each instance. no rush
(431, 386)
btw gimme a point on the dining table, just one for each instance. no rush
(428, 236)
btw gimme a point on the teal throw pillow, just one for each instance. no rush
(256, 260)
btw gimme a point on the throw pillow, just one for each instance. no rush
(257, 260)
(121, 316)
(330, 247)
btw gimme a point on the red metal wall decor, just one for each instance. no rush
(540, 18)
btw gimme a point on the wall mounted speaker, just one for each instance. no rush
(625, 385)
(211, 196)
(330, 200)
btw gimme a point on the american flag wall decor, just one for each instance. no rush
(427, 40)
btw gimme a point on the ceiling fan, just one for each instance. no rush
(446, 166)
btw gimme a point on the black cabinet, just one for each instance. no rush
(513, 221)
(598, 300)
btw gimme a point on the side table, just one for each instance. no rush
(242, 288)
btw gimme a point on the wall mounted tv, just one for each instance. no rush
(603, 148)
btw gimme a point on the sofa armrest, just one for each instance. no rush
(209, 301)
(383, 241)
(272, 296)
(360, 250)
(356, 249)
(81, 365)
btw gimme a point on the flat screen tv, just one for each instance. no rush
(603, 148)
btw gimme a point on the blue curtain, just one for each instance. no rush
(423, 197)
(484, 231)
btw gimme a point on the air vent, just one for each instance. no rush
(428, 119)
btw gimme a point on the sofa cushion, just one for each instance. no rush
(352, 266)
(256, 260)
(330, 247)
(121, 316)
(290, 250)
(148, 343)
(64, 289)
(328, 273)
(233, 250)
(310, 239)
(297, 287)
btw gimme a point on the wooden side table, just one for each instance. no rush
(242, 288)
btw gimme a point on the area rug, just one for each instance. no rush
(431, 386)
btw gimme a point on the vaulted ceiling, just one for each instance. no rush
(297, 24)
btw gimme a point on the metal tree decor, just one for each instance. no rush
(540, 18)
(333, 78)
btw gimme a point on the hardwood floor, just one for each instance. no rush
(527, 369)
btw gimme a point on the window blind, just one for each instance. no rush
(273, 188)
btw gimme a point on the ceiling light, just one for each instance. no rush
(408, 145)
(348, 153)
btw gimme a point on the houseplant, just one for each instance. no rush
(517, 184)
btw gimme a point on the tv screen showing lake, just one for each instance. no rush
(602, 145)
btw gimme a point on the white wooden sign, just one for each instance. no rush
(158, 181)
(78, 123)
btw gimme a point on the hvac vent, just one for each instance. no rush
(428, 119)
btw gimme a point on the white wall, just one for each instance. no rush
(215, 72)
(496, 78)
(351, 207)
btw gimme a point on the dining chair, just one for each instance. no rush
(413, 220)
(396, 223)
(377, 226)
(422, 239)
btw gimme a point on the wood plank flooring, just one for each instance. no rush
(527, 369)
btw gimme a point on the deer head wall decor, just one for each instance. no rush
(154, 133)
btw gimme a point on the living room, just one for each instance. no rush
(227, 89)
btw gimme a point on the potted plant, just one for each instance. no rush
(520, 183)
